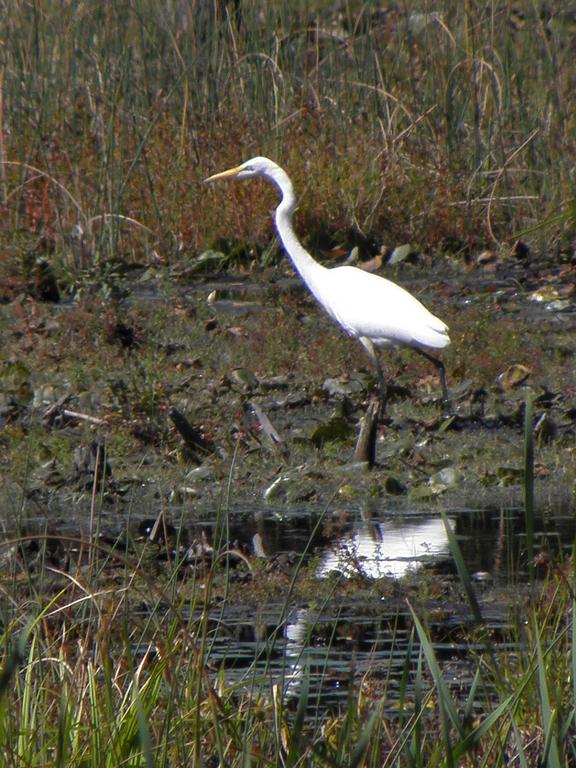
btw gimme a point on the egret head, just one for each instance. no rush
(256, 166)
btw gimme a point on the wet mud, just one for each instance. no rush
(195, 420)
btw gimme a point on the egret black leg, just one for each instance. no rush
(369, 347)
(439, 365)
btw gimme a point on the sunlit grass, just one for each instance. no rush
(447, 126)
(111, 665)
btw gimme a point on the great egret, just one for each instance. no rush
(370, 308)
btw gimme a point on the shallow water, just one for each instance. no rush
(363, 637)
(369, 560)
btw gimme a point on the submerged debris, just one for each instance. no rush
(195, 441)
(265, 432)
(91, 465)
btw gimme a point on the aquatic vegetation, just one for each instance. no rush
(116, 643)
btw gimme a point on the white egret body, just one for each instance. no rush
(370, 308)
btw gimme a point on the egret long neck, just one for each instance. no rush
(309, 269)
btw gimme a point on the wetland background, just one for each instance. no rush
(230, 589)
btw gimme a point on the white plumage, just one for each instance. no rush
(368, 307)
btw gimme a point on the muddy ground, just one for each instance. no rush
(167, 389)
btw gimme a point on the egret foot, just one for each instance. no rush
(439, 365)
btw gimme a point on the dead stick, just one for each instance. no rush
(83, 417)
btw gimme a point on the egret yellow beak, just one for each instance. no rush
(225, 174)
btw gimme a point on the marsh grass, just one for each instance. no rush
(449, 126)
(529, 484)
(109, 663)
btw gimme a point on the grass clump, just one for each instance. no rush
(110, 663)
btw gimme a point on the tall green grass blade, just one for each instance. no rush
(549, 715)
(550, 750)
(131, 730)
(529, 484)
(64, 733)
(567, 216)
(349, 723)
(97, 729)
(363, 742)
(416, 728)
(445, 725)
(145, 738)
(461, 568)
(444, 696)
(573, 643)
(31, 701)
(522, 757)
(475, 737)
(405, 677)
(472, 693)
(420, 696)
(297, 727)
